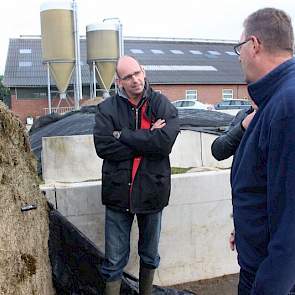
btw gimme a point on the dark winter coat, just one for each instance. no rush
(150, 190)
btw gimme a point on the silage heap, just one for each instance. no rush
(24, 261)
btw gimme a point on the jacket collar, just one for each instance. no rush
(146, 91)
(261, 90)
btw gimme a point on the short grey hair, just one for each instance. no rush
(273, 27)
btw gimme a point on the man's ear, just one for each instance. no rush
(257, 45)
(118, 82)
(142, 68)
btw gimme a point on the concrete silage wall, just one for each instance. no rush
(73, 158)
(196, 224)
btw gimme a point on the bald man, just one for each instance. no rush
(134, 133)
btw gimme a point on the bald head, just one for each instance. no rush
(130, 75)
(124, 62)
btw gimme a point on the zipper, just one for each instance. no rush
(136, 119)
(137, 108)
(132, 163)
(136, 114)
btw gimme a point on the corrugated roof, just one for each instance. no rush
(24, 66)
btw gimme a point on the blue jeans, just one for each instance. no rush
(117, 241)
(246, 281)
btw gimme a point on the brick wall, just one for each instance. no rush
(206, 93)
(24, 108)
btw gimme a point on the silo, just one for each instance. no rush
(103, 50)
(58, 43)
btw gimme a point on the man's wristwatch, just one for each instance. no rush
(117, 134)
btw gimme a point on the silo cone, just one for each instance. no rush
(58, 45)
(107, 72)
(103, 48)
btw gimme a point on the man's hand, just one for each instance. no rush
(248, 119)
(160, 123)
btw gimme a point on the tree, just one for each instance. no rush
(4, 91)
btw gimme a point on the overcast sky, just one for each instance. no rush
(202, 19)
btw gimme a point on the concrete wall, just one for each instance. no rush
(73, 158)
(70, 159)
(196, 224)
(195, 228)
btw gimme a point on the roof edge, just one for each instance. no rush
(167, 39)
(134, 38)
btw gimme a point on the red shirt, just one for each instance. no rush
(144, 124)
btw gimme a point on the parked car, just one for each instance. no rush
(233, 104)
(191, 104)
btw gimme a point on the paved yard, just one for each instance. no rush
(226, 285)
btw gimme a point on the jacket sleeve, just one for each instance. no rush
(106, 145)
(157, 141)
(226, 145)
(275, 275)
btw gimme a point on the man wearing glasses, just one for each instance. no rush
(263, 171)
(134, 133)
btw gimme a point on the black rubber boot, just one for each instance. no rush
(146, 277)
(112, 288)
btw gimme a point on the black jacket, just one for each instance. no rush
(151, 187)
(226, 144)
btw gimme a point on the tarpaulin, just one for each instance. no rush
(76, 261)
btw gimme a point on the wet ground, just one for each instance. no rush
(226, 285)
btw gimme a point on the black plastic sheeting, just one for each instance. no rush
(76, 261)
(203, 118)
(82, 122)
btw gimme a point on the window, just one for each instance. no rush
(226, 103)
(32, 93)
(195, 52)
(25, 50)
(25, 64)
(246, 103)
(227, 94)
(136, 51)
(157, 51)
(191, 94)
(231, 53)
(174, 51)
(178, 68)
(235, 103)
(213, 52)
(177, 104)
(187, 104)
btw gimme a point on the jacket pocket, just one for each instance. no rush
(115, 188)
(154, 191)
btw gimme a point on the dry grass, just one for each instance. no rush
(24, 261)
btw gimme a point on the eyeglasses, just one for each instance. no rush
(130, 76)
(237, 48)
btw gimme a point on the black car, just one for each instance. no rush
(233, 104)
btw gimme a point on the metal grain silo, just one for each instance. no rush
(58, 43)
(104, 47)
